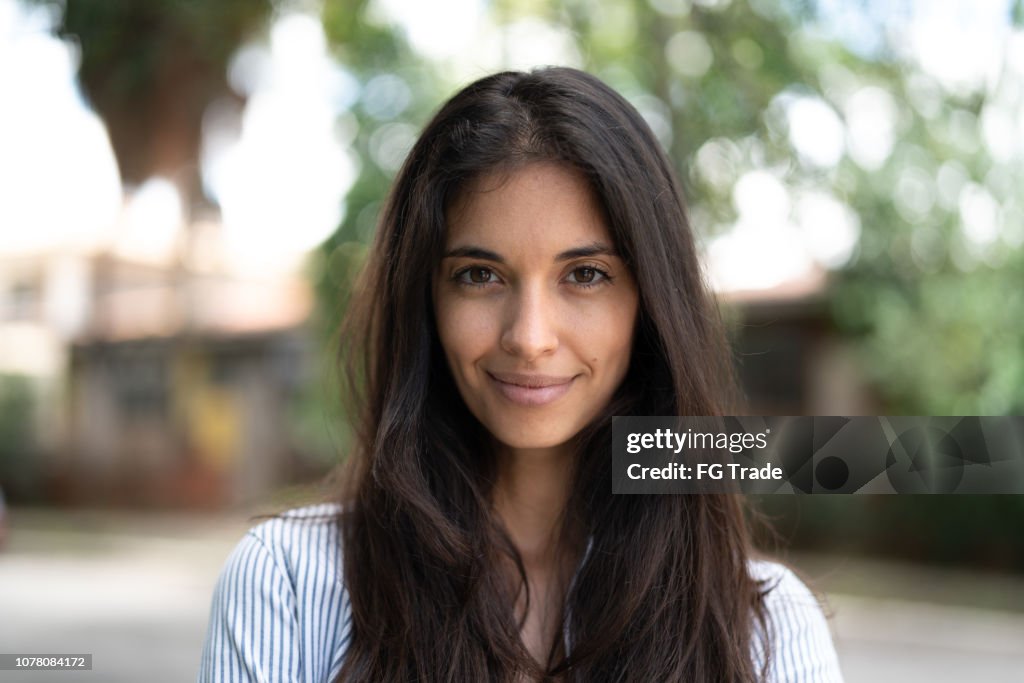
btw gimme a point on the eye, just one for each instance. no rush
(475, 276)
(585, 275)
(588, 276)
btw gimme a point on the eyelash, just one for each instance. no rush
(603, 277)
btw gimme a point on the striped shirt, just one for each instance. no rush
(280, 612)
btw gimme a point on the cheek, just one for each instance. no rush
(606, 335)
(466, 331)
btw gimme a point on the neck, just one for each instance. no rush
(530, 496)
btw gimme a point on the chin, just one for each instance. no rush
(530, 437)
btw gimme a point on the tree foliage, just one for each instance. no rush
(151, 68)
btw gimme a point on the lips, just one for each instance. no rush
(530, 390)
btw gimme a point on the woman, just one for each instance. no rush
(533, 274)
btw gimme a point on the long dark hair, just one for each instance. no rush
(663, 591)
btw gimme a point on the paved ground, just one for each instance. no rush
(134, 591)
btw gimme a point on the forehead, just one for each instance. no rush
(544, 206)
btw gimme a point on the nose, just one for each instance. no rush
(530, 330)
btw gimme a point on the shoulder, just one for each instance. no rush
(280, 610)
(301, 547)
(797, 634)
(782, 587)
(301, 538)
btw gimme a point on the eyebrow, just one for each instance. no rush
(593, 249)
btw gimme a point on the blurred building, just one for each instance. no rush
(42, 299)
(145, 381)
(791, 359)
(190, 418)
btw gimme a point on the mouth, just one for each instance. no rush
(530, 390)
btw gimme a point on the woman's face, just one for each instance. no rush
(535, 310)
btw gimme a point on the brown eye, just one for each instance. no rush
(479, 276)
(475, 276)
(585, 275)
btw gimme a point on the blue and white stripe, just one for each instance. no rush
(802, 649)
(280, 611)
(281, 614)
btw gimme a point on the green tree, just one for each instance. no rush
(151, 68)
